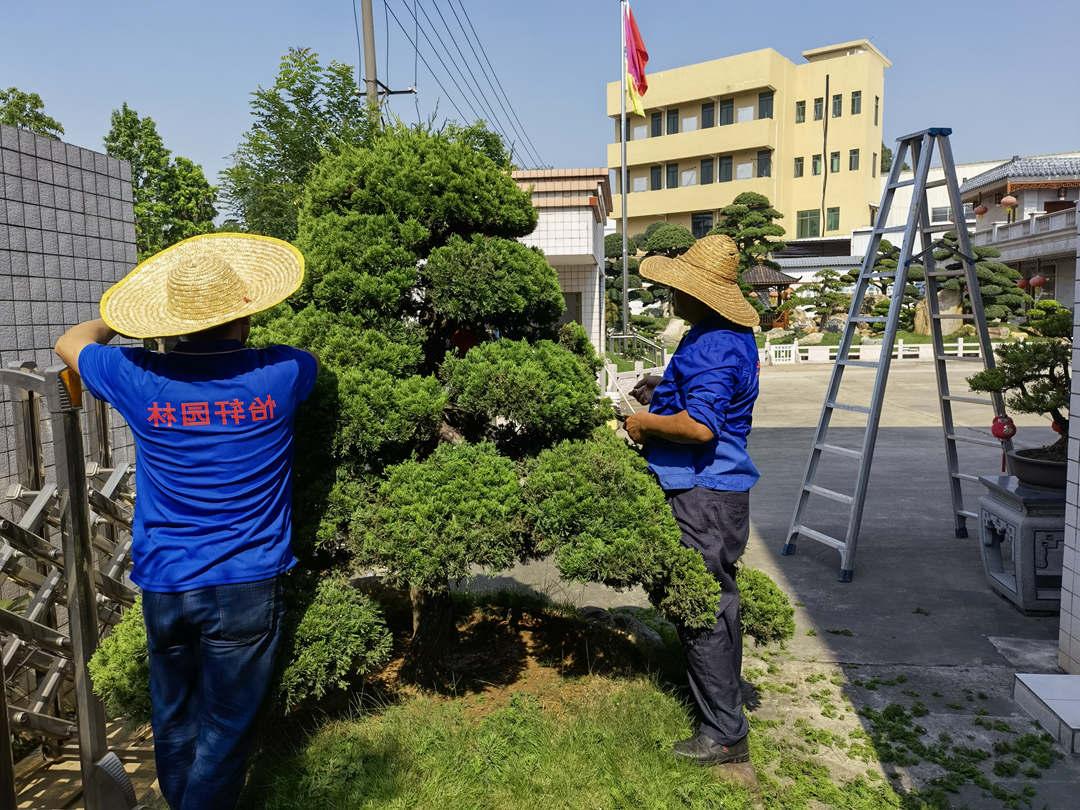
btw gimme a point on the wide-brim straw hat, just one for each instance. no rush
(202, 282)
(709, 271)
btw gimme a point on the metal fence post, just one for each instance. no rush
(7, 763)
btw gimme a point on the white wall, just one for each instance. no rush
(566, 232)
(1069, 622)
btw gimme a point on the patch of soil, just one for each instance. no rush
(1058, 451)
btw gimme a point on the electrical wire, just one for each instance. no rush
(426, 65)
(496, 76)
(526, 143)
(494, 121)
(465, 96)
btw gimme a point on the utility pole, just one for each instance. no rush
(371, 79)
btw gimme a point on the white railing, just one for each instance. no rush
(1032, 226)
(778, 354)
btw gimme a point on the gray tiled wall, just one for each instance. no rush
(67, 232)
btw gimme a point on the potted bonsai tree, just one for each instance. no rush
(1034, 376)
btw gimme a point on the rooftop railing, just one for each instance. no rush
(1032, 226)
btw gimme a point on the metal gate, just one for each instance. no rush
(65, 539)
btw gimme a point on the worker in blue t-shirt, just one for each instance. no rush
(695, 434)
(213, 427)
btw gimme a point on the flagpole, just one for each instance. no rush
(623, 181)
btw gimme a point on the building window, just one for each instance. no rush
(656, 178)
(701, 224)
(815, 165)
(672, 122)
(940, 214)
(832, 219)
(639, 183)
(819, 108)
(708, 114)
(800, 111)
(724, 169)
(856, 102)
(688, 177)
(764, 163)
(873, 165)
(877, 109)
(727, 111)
(657, 123)
(834, 162)
(837, 105)
(969, 211)
(853, 160)
(673, 175)
(707, 166)
(626, 129)
(798, 167)
(808, 224)
(764, 104)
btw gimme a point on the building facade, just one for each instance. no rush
(573, 207)
(808, 136)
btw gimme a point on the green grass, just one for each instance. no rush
(606, 747)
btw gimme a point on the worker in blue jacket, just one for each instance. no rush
(695, 433)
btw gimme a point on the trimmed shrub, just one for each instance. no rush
(667, 240)
(120, 668)
(766, 611)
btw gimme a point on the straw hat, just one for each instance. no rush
(709, 271)
(202, 282)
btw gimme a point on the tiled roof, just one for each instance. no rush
(796, 262)
(761, 275)
(1051, 166)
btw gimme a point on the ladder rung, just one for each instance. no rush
(891, 229)
(868, 319)
(831, 494)
(968, 514)
(956, 437)
(956, 317)
(843, 406)
(937, 183)
(838, 450)
(819, 536)
(969, 400)
(903, 183)
(884, 274)
(966, 477)
(858, 363)
(947, 274)
(938, 228)
(966, 358)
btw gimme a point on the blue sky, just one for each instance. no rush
(1002, 74)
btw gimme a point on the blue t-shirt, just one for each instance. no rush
(713, 376)
(213, 427)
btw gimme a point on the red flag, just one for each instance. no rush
(636, 55)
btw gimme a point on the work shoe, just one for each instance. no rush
(705, 751)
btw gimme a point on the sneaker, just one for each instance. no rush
(705, 751)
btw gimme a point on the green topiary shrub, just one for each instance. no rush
(766, 611)
(339, 637)
(667, 239)
(120, 668)
(594, 507)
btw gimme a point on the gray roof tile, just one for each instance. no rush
(1051, 166)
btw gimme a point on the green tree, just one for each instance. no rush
(309, 111)
(751, 221)
(27, 111)
(1001, 298)
(826, 295)
(885, 264)
(668, 240)
(172, 198)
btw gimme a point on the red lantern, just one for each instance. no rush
(980, 210)
(1022, 283)
(1037, 281)
(1009, 201)
(1003, 428)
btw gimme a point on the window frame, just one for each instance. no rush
(656, 124)
(856, 102)
(668, 174)
(816, 165)
(819, 108)
(763, 158)
(830, 223)
(877, 110)
(853, 160)
(693, 225)
(834, 163)
(656, 178)
(711, 107)
(725, 105)
(800, 166)
(766, 99)
(711, 164)
(941, 213)
(721, 162)
(800, 112)
(837, 105)
(874, 165)
(671, 116)
(806, 218)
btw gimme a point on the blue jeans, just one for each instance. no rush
(211, 663)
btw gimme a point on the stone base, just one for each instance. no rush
(1054, 702)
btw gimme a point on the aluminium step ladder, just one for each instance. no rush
(920, 147)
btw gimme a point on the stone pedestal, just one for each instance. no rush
(1022, 533)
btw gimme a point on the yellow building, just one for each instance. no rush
(758, 122)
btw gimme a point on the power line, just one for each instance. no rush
(420, 56)
(496, 75)
(465, 96)
(494, 119)
(526, 144)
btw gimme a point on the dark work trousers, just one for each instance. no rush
(716, 524)
(212, 656)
